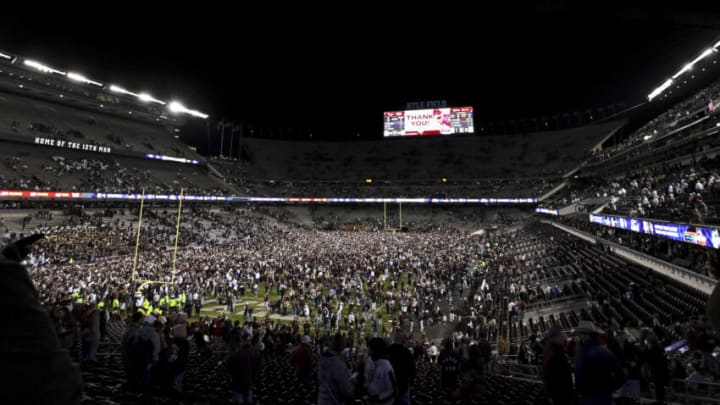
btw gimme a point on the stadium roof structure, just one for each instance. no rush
(684, 71)
(30, 77)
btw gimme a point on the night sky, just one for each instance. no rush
(332, 71)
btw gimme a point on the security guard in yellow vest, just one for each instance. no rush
(173, 303)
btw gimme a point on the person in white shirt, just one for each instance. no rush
(380, 381)
(433, 353)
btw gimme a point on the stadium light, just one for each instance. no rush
(177, 108)
(82, 79)
(198, 114)
(684, 69)
(43, 68)
(174, 107)
(118, 89)
(4, 56)
(702, 56)
(148, 98)
(660, 89)
(690, 65)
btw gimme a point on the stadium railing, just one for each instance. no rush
(687, 392)
(505, 367)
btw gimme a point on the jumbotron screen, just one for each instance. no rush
(435, 121)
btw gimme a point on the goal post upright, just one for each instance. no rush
(137, 238)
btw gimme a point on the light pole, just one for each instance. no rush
(232, 133)
(222, 137)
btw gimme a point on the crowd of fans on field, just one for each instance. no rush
(330, 299)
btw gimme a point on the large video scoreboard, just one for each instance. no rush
(435, 121)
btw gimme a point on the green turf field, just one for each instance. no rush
(212, 309)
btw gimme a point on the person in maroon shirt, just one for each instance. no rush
(302, 358)
(244, 368)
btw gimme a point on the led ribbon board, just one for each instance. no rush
(27, 194)
(695, 235)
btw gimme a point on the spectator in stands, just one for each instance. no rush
(244, 368)
(655, 362)
(449, 366)
(629, 357)
(380, 381)
(523, 354)
(403, 363)
(485, 350)
(698, 377)
(140, 350)
(501, 347)
(65, 326)
(303, 360)
(90, 332)
(597, 372)
(334, 386)
(178, 355)
(35, 368)
(433, 353)
(557, 372)
(133, 368)
(148, 331)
